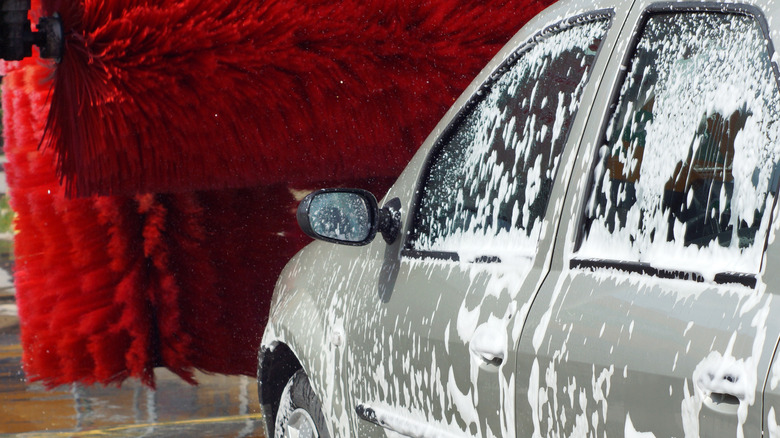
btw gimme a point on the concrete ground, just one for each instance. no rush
(220, 406)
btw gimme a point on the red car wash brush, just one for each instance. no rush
(156, 216)
(196, 94)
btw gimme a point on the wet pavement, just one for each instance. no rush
(218, 406)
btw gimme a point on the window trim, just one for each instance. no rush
(593, 265)
(407, 250)
(746, 279)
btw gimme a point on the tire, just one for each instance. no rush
(300, 408)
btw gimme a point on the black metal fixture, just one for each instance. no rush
(17, 36)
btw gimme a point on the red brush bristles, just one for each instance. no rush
(160, 96)
(111, 287)
(214, 109)
(65, 280)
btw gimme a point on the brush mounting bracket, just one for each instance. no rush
(17, 37)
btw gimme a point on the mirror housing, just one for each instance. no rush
(348, 217)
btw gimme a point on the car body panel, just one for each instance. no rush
(604, 334)
(583, 350)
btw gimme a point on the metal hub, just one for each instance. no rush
(17, 37)
(301, 425)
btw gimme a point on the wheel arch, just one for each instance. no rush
(276, 365)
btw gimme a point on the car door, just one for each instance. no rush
(657, 317)
(431, 342)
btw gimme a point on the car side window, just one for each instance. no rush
(489, 179)
(687, 175)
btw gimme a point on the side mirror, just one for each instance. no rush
(347, 217)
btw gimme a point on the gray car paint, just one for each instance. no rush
(585, 350)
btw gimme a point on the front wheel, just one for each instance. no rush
(300, 411)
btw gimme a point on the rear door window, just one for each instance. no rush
(687, 172)
(489, 179)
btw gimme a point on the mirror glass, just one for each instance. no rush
(341, 216)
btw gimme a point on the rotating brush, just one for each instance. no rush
(154, 162)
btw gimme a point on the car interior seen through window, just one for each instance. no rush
(489, 181)
(688, 169)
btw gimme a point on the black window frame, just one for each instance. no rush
(478, 96)
(745, 279)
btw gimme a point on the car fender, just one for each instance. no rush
(305, 319)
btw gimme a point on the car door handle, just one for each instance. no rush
(489, 359)
(721, 398)
(724, 384)
(723, 387)
(488, 344)
(723, 402)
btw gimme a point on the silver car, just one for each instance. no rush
(585, 246)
